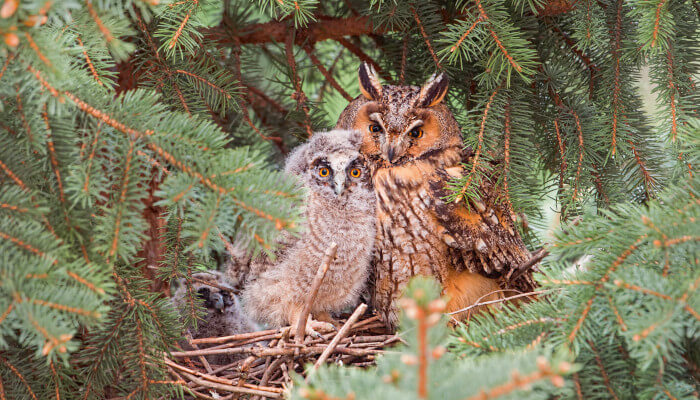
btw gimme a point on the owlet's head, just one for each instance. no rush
(331, 165)
(403, 124)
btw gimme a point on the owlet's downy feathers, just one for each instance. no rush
(340, 208)
(414, 148)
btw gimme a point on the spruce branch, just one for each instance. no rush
(93, 13)
(475, 161)
(601, 367)
(562, 152)
(326, 73)
(298, 95)
(425, 37)
(587, 308)
(85, 107)
(239, 76)
(356, 50)
(19, 375)
(93, 70)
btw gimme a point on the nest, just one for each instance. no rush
(265, 359)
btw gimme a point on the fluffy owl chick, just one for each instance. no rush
(224, 314)
(340, 208)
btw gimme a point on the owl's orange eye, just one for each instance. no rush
(416, 133)
(324, 172)
(355, 172)
(375, 128)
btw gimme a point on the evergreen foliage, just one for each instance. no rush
(138, 138)
(424, 369)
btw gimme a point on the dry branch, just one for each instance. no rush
(239, 337)
(535, 258)
(341, 334)
(318, 280)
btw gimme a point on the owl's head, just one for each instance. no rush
(212, 288)
(330, 164)
(403, 124)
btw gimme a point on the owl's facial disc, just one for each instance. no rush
(398, 145)
(337, 171)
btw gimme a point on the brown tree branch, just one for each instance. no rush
(276, 31)
(535, 258)
(328, 75)
(354, 49)
(326, 27)
(299, 96)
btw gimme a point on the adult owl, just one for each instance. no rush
(340, 208)
(414, 147)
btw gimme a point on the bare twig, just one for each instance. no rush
(536, 257)
(280, 351)
(341, 334)
(497, 301)
(368, 321)
(231, 388)
(318, 279)
(201, 358)
(239, 337)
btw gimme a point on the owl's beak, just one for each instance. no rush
(339, 183)
(390, 153)
(218, 301)
(391, 149)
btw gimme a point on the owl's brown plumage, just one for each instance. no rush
(340, 208)
(414, 146)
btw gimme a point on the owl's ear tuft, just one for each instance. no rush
(433, 91)
(370, 86)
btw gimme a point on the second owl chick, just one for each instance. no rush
(340, 208)
(224, 314)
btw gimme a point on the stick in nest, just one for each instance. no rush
(318, 280)
(341, 334)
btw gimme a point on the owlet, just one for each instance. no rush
(340, 208)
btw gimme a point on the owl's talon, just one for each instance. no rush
(313, 326)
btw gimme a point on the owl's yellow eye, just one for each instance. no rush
(375, 128)
(355, 172)
(416, 133)
(323, 172)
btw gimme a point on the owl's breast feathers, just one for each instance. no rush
(421, 233)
